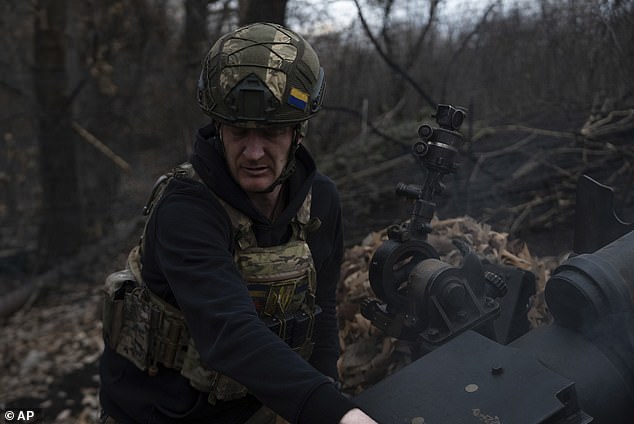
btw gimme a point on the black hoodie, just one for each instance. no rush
(188, 260)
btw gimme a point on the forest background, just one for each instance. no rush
(98, 99)
(90, 90)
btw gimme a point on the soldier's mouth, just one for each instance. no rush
(255, 171)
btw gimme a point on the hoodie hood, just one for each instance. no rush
(210, 164)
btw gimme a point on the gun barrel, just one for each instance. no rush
(589, 287)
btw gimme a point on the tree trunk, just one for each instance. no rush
(60, 227)
(195, 43)
(195, 36)
(262, 11)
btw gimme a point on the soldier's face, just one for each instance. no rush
(256, 156)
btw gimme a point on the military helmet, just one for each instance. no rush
(262, 74)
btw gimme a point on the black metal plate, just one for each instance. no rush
(471, 379)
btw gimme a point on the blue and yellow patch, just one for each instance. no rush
(298, 98)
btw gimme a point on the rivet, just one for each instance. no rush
(470, 388)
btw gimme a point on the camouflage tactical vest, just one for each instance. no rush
(281, 280)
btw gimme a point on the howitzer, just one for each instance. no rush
(479, 363)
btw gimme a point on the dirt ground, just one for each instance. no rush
(51, 348)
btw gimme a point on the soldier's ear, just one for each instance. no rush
(298, 134)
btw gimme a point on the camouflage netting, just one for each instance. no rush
(367, 354)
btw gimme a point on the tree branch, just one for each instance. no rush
(99, 145)
(391, 63)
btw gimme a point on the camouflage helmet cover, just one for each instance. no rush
(261, 74)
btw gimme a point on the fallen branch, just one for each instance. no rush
(19, 297)
(13, 301)
(522, 128)
(615, 121)
(103, 148)
(376, 169)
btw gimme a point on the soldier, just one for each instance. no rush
(226, 312)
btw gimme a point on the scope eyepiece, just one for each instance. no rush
(425, 131)
(449, 118)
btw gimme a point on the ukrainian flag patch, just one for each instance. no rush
(298, 98)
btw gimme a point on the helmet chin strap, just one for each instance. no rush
(218, 143)
(289, 168)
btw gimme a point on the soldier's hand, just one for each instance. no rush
(356, 416)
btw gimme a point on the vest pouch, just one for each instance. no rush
(114, 290)
(303, 327)
(220, 387)
(199, 377)
(134, 338)
(278, 277)
(226, 389)
(282, 327)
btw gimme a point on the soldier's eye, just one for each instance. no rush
(275, 132)
(237, 132)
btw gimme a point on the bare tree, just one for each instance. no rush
(195, 34)
(195, 42)
(60, 226)
(389, 61)
(262, 11)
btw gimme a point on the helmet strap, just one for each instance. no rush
(218, 142)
